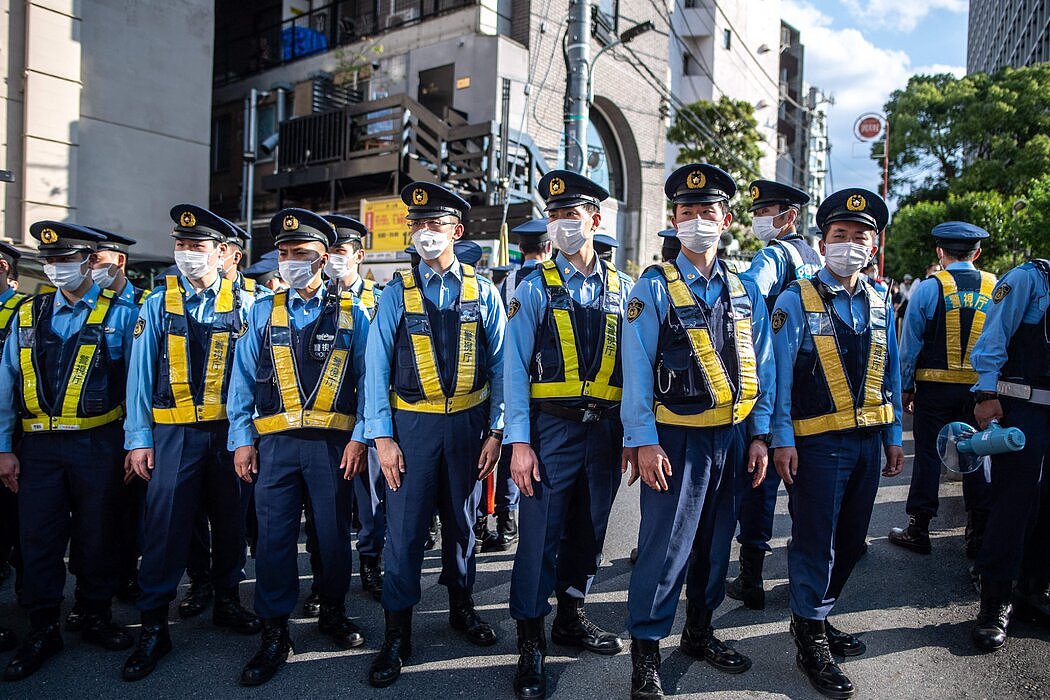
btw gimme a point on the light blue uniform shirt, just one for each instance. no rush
(143, 367)
(769, 269)
(442, 290)
(240, 406)
(1025, 301)
(853, 311)
(66, 321)
(922, 307)
(641, 337)
(128, 293)
(357, 287)
(531, 294)
(261, 290)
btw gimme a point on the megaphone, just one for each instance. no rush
(962, 448)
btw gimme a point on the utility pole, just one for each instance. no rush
(577, 68)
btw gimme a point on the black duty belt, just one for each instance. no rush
(592, 413)
(1024, 392)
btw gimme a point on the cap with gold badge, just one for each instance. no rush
(58, 238)
(295, 224)
(853, 204)
(766, 192)
(347, 228)
(113, 241)
(193, 223)
(562, 189)
(426, 200)
(699, 183)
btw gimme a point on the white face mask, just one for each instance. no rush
(194, 264)
(103, 276)
(567, 235)
(430, 244)
(699, 235)
(66, 275)
(764, 229)
(844, 259)
(337, 267)
(296, 273)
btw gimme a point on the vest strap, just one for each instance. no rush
(451, 404)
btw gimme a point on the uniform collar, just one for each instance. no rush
(530, 263)
(428, 274)
(835, 286)
(357, 286)
(90, 299)
(568, 269)
(689, 272)
(294, 299)
(794, 235)
(189, 291)
(961, 265)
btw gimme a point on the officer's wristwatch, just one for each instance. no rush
(496, 434)
(764, 437)
(982, 396)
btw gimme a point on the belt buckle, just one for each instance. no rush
(591, 414)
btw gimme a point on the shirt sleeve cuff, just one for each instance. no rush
(138, 439)
(640, 436)
(359, 432)
(893, 436)
(5, 444)
(240, 438)
(516, 433)
(379, 428)
(987, 382)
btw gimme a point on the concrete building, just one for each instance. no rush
(104, 114)
(730, 47)
(1007, 33)
(426, 89)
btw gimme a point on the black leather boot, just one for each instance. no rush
(645, 670)
(530, 680)
(100, 630)
(197, 598)
(334, 623)
(1031, 601)
(699, 641)
(973, 536)
(815, 660)
(154, 643)
(274, 648)
(372, 575)
(484, 538)
(916, 536)
(507, 528)
(8, 640)
(396, 649)
(463, 617)
(75, 618)
(748, 587)
(42, 643)
(228, 612)
(842, 643)
(572, 628)
(993, 617)
(312, 604)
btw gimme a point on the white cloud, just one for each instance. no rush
(900, 15)
(937, 68)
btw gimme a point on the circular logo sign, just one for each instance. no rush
(869, 127)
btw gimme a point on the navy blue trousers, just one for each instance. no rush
(371, 512)
(193, 472)
(69, 494)
(294, 465)
(830, 504)
(936, 405)
(441, 472)
(562, 527)
(758, 508)
(695, 519)
(1017, 537)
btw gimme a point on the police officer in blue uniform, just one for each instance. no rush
(563, 380)
(944, 319)
(297, 385)
(1012, 361)
(62, 382)
(176, 431)
(344, 267)
(698, 381)
(434, 406)
(264, 272)
(838, 407)
(670, 246)
(110, 264)
(775, 208)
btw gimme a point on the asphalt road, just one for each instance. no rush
(914, 613)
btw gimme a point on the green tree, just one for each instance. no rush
(723, 133)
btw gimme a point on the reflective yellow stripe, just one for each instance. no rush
(249, 284)
(466, 366)
(30, 384)
(368, 296)
(988, 281)
(422, 343)
(845, 416)
(283, 361)
(294, 420)
(8, 309)
(711, 418)
(947, 376)
(42, 423)
(332, 376)
(952, 327)
(452, 404)
(612, 330)
(188, 414)
(78, 372)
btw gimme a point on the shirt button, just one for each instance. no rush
(692, 276)
(567, 270)
(426, 276)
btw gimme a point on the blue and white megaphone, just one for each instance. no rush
(962, 448)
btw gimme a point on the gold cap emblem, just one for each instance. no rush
(187, 219)
(48, 236)
(696, 180)
(557, 186)
(420, 197)
(754, 191)
(290, 223)
(856, 203)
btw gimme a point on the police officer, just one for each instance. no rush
(943, 322)
(236, 249)
(670, 246)
(605, 245)
(299, 372)
(838, 405)
(176, 431)
(563, 381)
(110, 265)
(265, 273)
(344, 267)
(1012, 361)
(62, 381)
(775, 208)
(435, 409)
(698, 379)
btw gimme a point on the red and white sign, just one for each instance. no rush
(869, 127)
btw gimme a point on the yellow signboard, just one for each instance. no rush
(385, 219)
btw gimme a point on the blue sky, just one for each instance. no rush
(860, 51)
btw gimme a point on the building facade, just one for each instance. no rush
(1007, 33)
(104, 114)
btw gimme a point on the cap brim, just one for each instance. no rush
(568, 202)
(700, 198)
(851, 216)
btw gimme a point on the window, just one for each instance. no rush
(221, 130)
(266, 123)
(605, 20)
(727, 39)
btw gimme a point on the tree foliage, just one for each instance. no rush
(975, 149)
